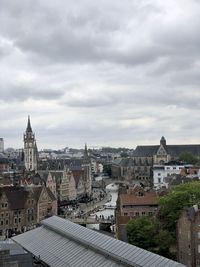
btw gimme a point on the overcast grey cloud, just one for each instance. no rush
(118, 73)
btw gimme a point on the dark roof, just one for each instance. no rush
(145, 151)
(16, 196)
(59, 164)
(174, 150)
(28, 128)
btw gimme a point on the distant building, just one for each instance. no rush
(188, 237)
(1, 145)
(160, 172)
(132, 205)
(30, 149)
(158, 155)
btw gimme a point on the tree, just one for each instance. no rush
(184, 195)
(164, 240)
(141, 231)
(145, 232)
(124, 154)
(188, 157)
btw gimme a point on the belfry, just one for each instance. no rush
(30, 148)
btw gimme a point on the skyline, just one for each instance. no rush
(92, 72)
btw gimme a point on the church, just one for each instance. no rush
(145, 157)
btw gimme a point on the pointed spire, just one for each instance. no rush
(28, 128)
(85, 152)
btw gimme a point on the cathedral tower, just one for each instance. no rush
(30, 148)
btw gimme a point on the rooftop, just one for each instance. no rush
(149, 198)
(60, 243)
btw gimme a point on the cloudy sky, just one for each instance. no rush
(109, 72)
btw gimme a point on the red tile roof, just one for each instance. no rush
(149, 198)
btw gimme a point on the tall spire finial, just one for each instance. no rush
(85, 151)
(28, 128)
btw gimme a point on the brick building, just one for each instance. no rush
(188, 237)
(21, 208)
(132, 205)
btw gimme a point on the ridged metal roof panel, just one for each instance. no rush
(60, 243)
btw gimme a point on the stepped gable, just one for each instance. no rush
(57, 176)
(77, 174)
(50, 193)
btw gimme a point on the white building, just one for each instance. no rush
(162, 171)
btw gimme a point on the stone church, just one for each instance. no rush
(146, 156)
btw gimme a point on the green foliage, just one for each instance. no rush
(188, 157)
(144, 232)
(124, 154)
(164, 240)
(184, 195)
(141, 231)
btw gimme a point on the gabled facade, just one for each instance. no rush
(21, 208)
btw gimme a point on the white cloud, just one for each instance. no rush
(116, 73)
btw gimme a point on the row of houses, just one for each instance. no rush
(22, 208)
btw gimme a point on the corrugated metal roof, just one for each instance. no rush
(59, 242)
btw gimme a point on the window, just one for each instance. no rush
(159, 180)
(1, 222)
(125, 214)
(137, 214)
(19, 220)
(6, 222)
(15, 220)
(150, 213)
(159, 174)
(143, 213)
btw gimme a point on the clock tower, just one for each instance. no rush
(30, 149)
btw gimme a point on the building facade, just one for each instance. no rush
(132, 205)
(21, 208)
(188, 237)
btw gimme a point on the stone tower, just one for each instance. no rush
(30, 149)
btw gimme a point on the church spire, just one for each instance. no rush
(85, 152)
(28, 128)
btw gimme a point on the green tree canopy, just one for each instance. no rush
(145, 232)
(184, 195)
(188, 157)
(141, 231)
